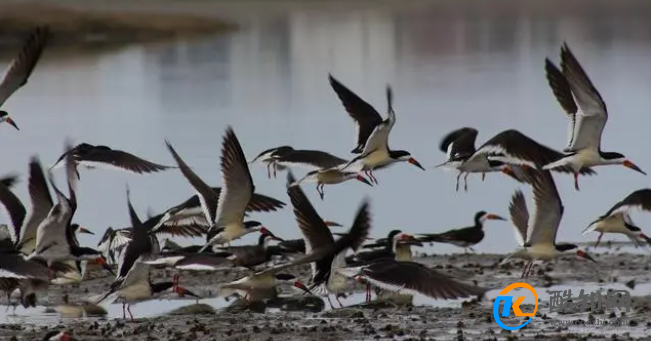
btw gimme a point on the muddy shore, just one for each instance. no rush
(467, 321)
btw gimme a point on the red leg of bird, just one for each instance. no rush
(129, 310)
(598, 240)
(465, 182)
(370, 173)
(576, 180)
(368, 292)
(124, 311)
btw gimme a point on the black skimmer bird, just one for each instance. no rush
(132, 283)
(324, 253)
(411, 277)
(329, 168)
(458, 146)
(372, 132)
(260, 286)
(21, 230)
(21, 68)
(296, 246)
(225, 212)
(248, 256)
(537, 237)
(587, 124)
(465, 237)
(114, 240)
(511, 147)
(387, 251)
(190, 212)
(618, 219)
(58, 336)
(269, 157)
(55, 240)
(91, 156)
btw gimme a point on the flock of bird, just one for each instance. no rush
(42, 249)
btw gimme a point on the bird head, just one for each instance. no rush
(4, 117)
(404, 155)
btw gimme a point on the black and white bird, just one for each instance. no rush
(572, 86)
(458, 146)
(91, 156)
(372, 133)
(190, 211)
(618, 219)
(225, 211)
(511, 147)
(537, 236)
(260, 286)
(388, 249)
(22, 230)
(412, 278)
(55, 239)
(329, 168)
(21, 68)
(325, 254)
(465, 237)
(270, 156)
(132, 283)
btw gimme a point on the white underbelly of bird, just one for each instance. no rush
(475, 165)
(583, 158)
(135, 293)
(377, 159)
(612, 224)
(543, 252)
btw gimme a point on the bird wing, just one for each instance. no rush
(179, 229)
(365, 116)
(138, 248)
(21, 66)
(459, 144)
(15, 210)
(519, 216)
(9, 180)
(548, 208)
(238, 185)
(516, 148)
(311, 159)
(102, 156)
(563, 93)
(640, 199)
(592, 118)
(39, 194)
(15, 266)
(207, 197)
(413, 277)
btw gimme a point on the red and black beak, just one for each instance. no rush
(585, 255)
(182, 292)
(625, 163)
(85, 230)
(300, 285)
(101, 261)
(11, 121)
(415, 163)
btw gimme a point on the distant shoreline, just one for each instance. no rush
(73, 25)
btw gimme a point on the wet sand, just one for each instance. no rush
(469, 321)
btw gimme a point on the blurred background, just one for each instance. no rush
(131, 74)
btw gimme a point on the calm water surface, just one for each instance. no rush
(269, 81)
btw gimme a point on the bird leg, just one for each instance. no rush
(329, 301)
(471, 249)
(319, 189)
(524, 270)
(269, 170)
(483, 176)
(341, 305)
(458, 177)
(124, 311)
(369, 173)
(576, 180)
(599, 240)
(129, 310)
(368, 292)
(465, 182)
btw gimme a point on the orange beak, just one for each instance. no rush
(364, 180)
(181, 291)
(584, 255)
(405, 236)
(491, 216)
(332, 223)
(415, 163)
(101, 261)
(631, 165)
(508, 171)
(300, 285)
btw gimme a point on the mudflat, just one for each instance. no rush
(468, 320)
